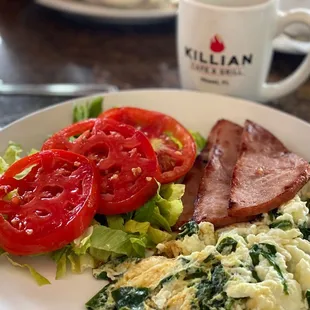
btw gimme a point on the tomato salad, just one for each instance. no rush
(104, 187)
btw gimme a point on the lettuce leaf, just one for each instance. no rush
(115, 222)
(35, 275)
(136, 227)
(199, 140)
(82, 244)
(157, 235)
(87, 110)
(116, 242)
(12, 153)
(60, 258)
(150, 212)
(164, 209)
(79, 263)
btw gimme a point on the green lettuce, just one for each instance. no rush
(106, 241)
(35, 275)
(157, 235)
(136, 227)
(60, 258)
(199, 140)
(115, 222)
(164, 209)
(87, 110)
(11, 155)
(83, 243)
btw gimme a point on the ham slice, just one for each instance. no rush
(266, 174)
(192, 181)
(214, 190)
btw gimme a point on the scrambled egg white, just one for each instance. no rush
(264, 265)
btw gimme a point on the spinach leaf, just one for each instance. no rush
(128, 297)
(273, 214)
(268, 251)
(87, 110)
(101, 300)
(227, 245)
(188, 229)
(305, 231)
(308, 297)
(210, 294)
(284, 225)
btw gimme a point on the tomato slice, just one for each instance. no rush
(124, 157)
(49, 207)
(173, 144)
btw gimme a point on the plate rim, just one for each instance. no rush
(152, 90)
(105, 12)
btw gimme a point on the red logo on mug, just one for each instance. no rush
(216, 44)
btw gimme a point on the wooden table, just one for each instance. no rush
(41, 46)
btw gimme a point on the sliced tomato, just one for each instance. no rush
(124, 157)
(49, 207)
(173, 144)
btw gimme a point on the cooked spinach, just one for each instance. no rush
(210, 294)
(273, 214)
(269, 252)
(227, 245)
(87, 110)
(129, 297)
(308, 298)
(305, 230)
(188, 229)
(308, 203)
(100, 300)
(284, 225)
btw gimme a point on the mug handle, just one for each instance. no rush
(271, 91)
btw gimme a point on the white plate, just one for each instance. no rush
(198, 111)
(109, 14)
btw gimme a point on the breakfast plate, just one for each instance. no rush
(197, 111)
(141, 13)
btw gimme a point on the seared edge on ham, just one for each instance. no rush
(214, 190)
(192, 181)
(266, 174)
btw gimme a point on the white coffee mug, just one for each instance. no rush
(225, 46)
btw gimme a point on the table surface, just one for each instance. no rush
(41, 46)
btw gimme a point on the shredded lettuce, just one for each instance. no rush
(87, 110)
(81, 244)
(79, 263)
(136, 227)
(199, 140)
(35, 275)
(157, 235)
(116, 241)
(164, 209)
(115, 222)
(12, 153)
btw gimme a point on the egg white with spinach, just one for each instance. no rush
(260, 265)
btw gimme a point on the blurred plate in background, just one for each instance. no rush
(116, 11)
